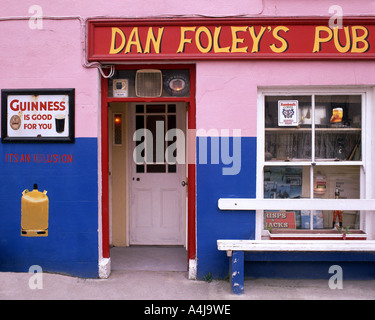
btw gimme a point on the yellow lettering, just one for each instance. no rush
(318, 40)
(357, 39)
(183, 40)
(236, 41)
(113, 49)
(284, 43)
(256, 38)
(198, 38)
(216, 41)
(156, 42)
(133, 40)
(338, 46)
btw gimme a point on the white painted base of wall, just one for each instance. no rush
(104, 268)
(192, 269)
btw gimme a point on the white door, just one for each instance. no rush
(157, 187)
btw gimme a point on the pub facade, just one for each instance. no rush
(142, 129)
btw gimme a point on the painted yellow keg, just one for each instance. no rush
(34, 213)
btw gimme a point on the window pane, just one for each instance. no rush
(139, 122)
(172, 108)
(172, 168)
(156, 126)
(286, 182)
(281, 183)
(156, 108)
(288, 128)
(139, 108)
(156, 168)
(338, 127)
(139, 138)
(342, 182)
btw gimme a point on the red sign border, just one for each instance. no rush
(347, 21)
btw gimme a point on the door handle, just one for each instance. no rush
(136, 179)
(183, 183)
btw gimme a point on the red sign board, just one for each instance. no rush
(280, 219)
(195, 39)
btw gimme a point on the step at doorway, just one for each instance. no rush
(149, 258)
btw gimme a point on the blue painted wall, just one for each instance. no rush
(212, 223)
(72, 244)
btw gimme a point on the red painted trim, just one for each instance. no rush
(218, 57)
(192, 171)
(105, 169)
(145, 100)
(303, 20)
(300, 54)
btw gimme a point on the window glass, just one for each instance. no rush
(288, 128)
(310, 146)
(285, 182)
(337, 182)
(338, 128)
(156, 119)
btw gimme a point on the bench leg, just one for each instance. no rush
(237, 272)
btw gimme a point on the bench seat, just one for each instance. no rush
(236, 249)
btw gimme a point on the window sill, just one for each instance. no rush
(315, 235)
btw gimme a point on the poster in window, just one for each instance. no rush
(288, 113)
(280, 219)
(37, 115)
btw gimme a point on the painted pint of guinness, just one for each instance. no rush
(60, 123)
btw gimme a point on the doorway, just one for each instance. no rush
(118, 116)
(147, 176)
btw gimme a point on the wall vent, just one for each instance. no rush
(148, 83)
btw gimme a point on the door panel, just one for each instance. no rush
(143, 214)
(157, 196)
(169, 203)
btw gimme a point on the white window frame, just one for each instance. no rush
(365, 163)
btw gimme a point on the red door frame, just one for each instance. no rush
(191, 114)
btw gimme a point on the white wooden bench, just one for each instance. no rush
(236, 251)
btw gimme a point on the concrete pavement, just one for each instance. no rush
(173, 285)
(160, 273)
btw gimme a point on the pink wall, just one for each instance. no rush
(226, 91)
(50, 58)
(213, 8)
(134, 9)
